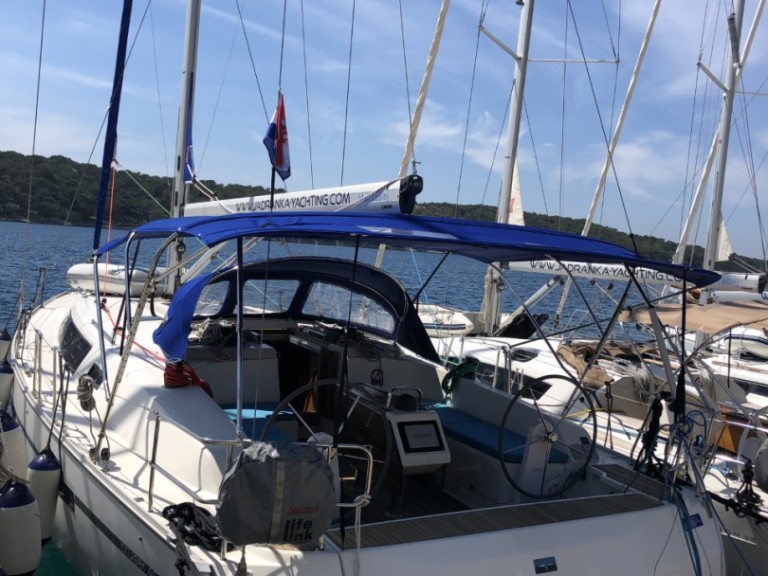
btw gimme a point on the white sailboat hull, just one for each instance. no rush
(102, 533)
(108, 527)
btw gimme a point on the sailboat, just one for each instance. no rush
(309, 426)
(627, 382)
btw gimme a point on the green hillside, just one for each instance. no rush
(65, 191)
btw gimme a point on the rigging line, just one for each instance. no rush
(703, 124)
(208, 133)
(253, 63)
(690, 153)
(703, 129)
(602, 125)
(561, 176)
(306, 98)
(349, 81)
(157, 88)
(34, 144)
(483, 9)
(85, 167)
(142, 188)
(617, 60)
(282, 46)
(536, 160)
(709, 11)
(745, 265)
(749, 161)
(407, 83)
(751, 186)
(495, 149)
(614, 50)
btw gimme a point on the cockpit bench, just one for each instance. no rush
(484, 436)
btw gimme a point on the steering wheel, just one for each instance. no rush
(382, 448)
(554, 405)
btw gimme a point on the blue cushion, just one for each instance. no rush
(264, 411)
(254, 421)
(484, 436)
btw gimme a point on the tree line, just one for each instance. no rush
(58, 190)
(61, 190)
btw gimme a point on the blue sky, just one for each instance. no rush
(666, 134)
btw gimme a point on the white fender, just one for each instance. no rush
(19, 529)
(14, 451)
(6, 383)
(44, 474)
(5, 343)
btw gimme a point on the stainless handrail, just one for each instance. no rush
(153, 465)
(400, 389)
(360, 501)
(37, 367)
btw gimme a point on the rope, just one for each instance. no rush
(361, 502)
(85, 394)
(650, 436)
(455, 374)
(141, 187)
(116, 329)
(193, 525)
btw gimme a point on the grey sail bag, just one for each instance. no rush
(277, 493)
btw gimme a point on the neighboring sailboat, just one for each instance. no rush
(628, 380)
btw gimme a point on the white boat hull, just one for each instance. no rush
(105, 525)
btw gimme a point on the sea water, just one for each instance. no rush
(27, 251)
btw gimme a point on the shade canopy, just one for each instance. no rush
(708, 319)
(484, 241)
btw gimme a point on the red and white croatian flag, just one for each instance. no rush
(276, 140)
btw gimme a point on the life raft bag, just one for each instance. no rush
(277, 493)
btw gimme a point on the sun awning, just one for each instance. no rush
(708, 319)
(484, 241)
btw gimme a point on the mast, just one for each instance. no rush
(515, 109)
(110, 138)
(715, 215)
(181, 182)
(683, 243)
(490, 309)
